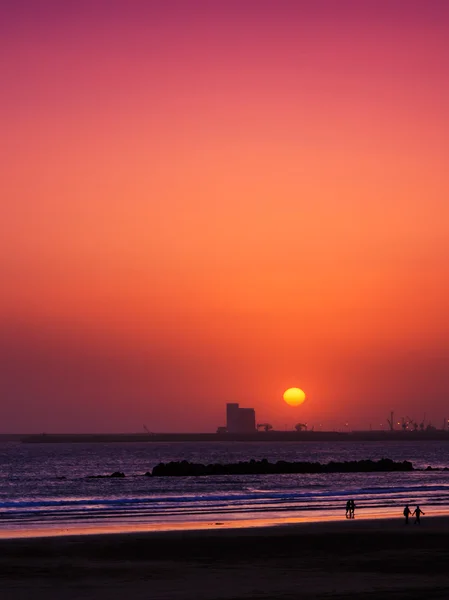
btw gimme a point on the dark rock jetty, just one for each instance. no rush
(255, 467)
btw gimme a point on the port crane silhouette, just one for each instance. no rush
(264, 426)
(407, 423)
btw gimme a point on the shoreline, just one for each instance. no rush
(363, 519)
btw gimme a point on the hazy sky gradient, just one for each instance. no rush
(213, 201)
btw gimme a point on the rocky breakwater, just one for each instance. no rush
(264, 467)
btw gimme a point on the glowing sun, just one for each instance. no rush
(294, 396)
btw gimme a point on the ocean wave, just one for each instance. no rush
(254, 497)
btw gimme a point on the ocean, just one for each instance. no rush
(48, 488)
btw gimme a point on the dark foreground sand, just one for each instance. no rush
(349, 559)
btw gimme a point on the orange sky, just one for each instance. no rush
(213, 202)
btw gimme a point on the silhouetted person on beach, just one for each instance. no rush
(407, 513)
(348, 509)
(418, 512)
(351, 512)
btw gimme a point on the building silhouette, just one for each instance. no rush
(240, 420)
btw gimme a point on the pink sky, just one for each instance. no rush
(207, 202)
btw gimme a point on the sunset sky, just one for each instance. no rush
(212, 201)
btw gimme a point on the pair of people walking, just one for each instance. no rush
(350, 508)
(416, 513)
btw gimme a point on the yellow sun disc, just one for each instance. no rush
(294, 396)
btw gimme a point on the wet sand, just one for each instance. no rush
(353, 559)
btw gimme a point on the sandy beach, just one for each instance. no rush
(370, 559)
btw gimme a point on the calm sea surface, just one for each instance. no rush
(48, 485)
